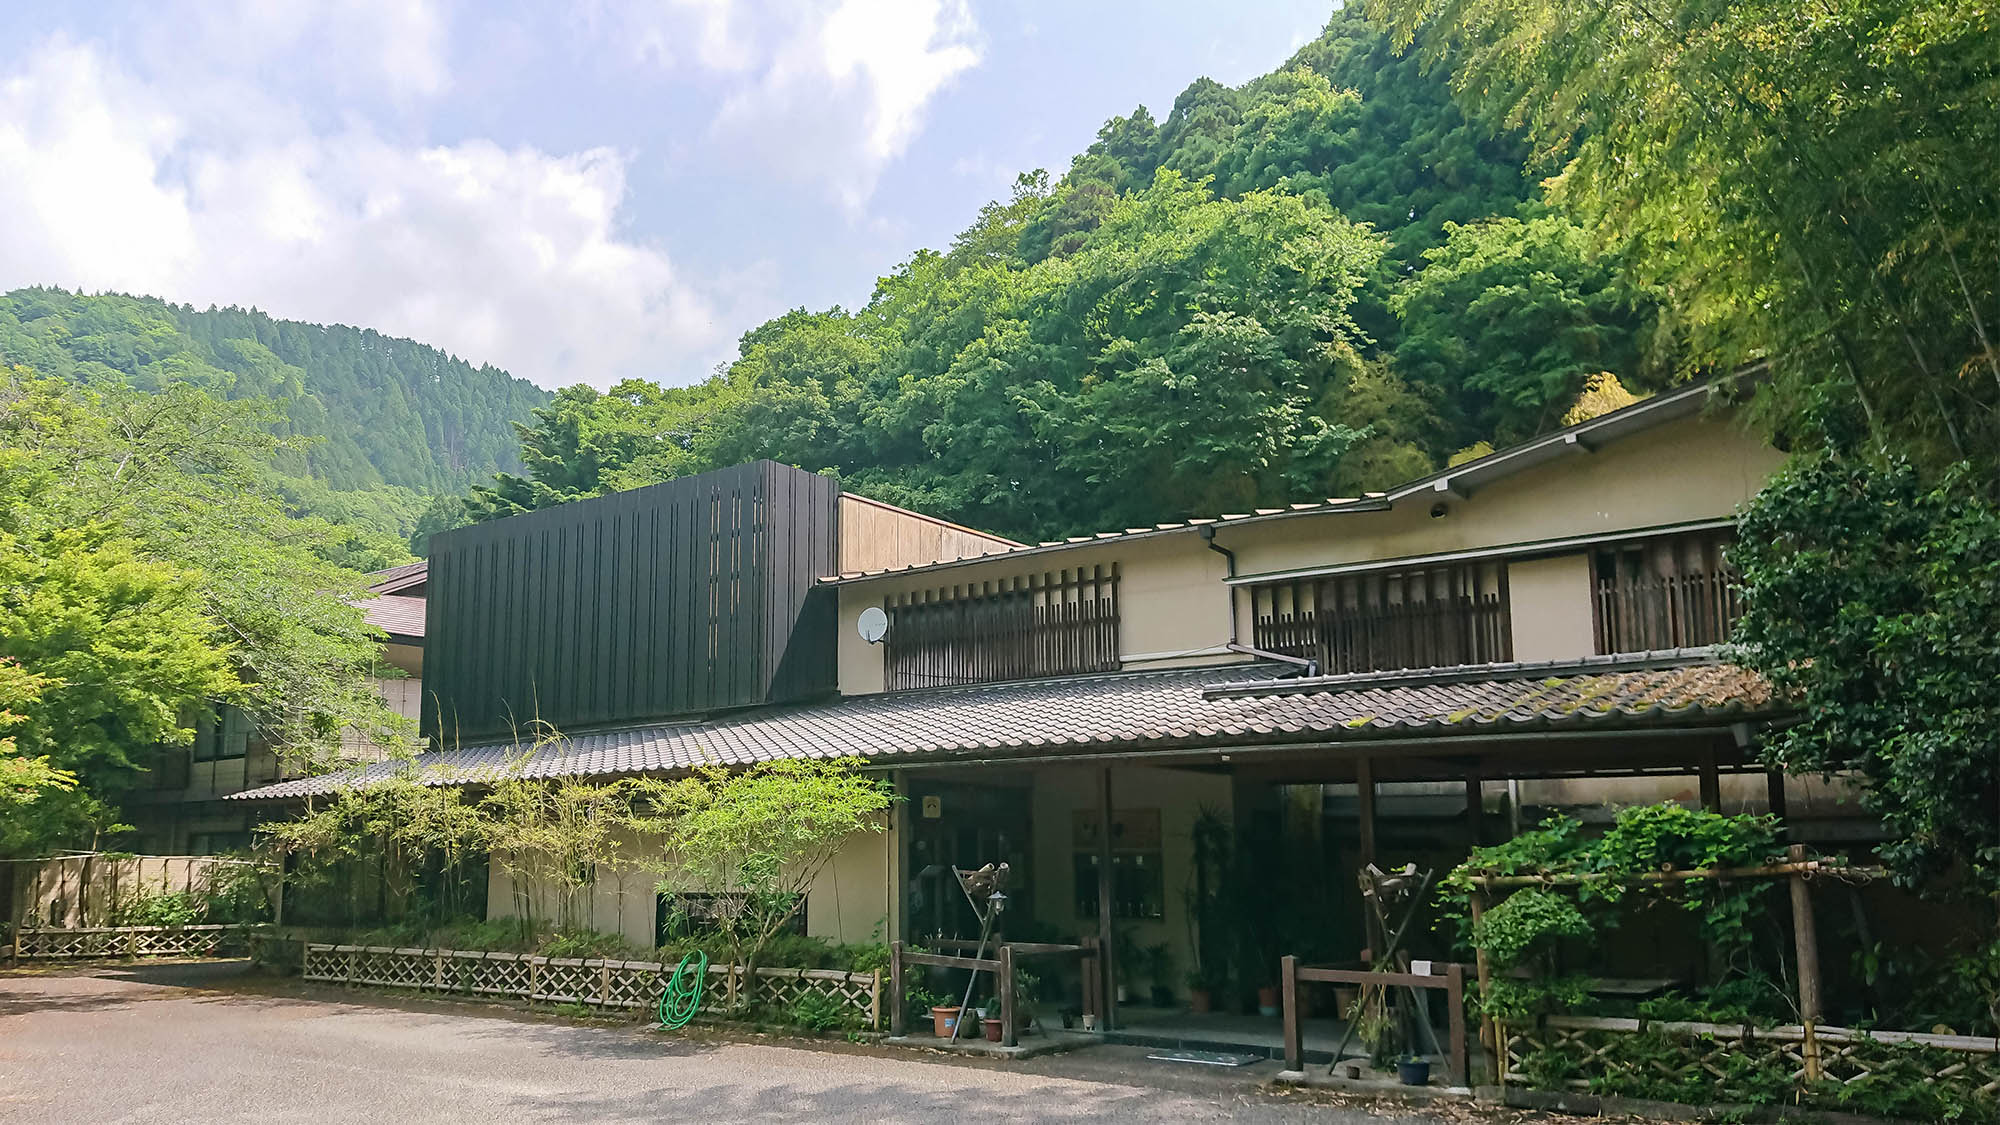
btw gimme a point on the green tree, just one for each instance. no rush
(755, 840)
(1809, 183)
(148, 573)
(1508, 318)
(1874, 604)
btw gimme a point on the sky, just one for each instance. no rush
(578, 192)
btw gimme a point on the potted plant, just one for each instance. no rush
(1027, 1000)
(1203, 984)
(944, 1020)
(1413, 1070)
(1267, 1000)
(992, 1027)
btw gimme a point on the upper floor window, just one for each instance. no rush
(221, 733)
(1671, 591)
(1379, 621)
(1057, 624)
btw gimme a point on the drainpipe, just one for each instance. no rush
(1311, 667)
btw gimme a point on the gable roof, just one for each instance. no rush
(1211, 708)
(399, 615)
(1588, 435)
(399, 578)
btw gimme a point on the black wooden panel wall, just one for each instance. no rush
(680, 598)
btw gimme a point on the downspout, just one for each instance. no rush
(1310, 666)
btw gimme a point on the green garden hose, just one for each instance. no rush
(681, 999)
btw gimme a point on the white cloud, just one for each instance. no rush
(823, 94)
(508, 255)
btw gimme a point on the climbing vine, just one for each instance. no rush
(1596, 881)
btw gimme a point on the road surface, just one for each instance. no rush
(203, 1043)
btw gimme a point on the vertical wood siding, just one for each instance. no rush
(683, 597)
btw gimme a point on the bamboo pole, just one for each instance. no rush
(1767, 871)
(1805, 941)
(1488, 1033)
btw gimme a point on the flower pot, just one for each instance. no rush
(992, 1028)
(1267, 1001)
(1413, 1072)
(1199, 1000)
(943, 1020)
(1090, 1021)
(1345, 996)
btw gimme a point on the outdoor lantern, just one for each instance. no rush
(997, 900)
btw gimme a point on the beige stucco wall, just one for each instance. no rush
(1173, 606)
(1180, 796)
(1694, 469)
(847, 902)
(1549, 602)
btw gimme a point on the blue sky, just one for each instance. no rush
(579, 192)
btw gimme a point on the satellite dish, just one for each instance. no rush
(874, 624)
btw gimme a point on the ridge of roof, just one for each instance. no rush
(1459, 479)
(398, 577)
(1650, 660)
(1169, 712)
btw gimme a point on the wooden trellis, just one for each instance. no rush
(87, 942)
(1837, 1054)
(594, 982)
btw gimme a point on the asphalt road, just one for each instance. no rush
(198, 1043)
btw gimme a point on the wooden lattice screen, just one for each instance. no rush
(1056, 624)
(1426, 617)
(1671, 591)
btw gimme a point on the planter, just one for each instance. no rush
(1413, 1072)
(992, 1028)
(1267, 1001)
(1090, 1021)
(943, 1021)
(1345, 997)
(1199, 1000)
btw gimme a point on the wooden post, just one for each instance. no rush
(875, 1002)
(1288, 995)
(1488, 1035)
(1106, 943)
(1092, 978)
(1008, 1038)
(1774, 796)
(1711, 783)
(1454, 994)
(1475, 808)
(899, 1021)
(1805, 940)
(1364, 794)
(437, 969)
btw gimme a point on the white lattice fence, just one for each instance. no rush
(599, 983)
(1589, 1051)
(86, 942)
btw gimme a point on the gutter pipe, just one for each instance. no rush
(1310, 667)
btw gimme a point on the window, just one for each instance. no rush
(1670, 591)
(1058, 624)
(1138, 878)
(222, 733)
(1380, 621)
(218, 843)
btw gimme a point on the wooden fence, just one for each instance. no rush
(1592, 1051)
(1001, 965)
(593, 982)
(1057, 624)
(85, 942)
(1457, 1060)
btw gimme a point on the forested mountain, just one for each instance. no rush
(1322, 281)
(397, 421)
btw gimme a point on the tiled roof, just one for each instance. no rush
(396, 614)
(1586, 435)
(1130, 712)
(399, 577)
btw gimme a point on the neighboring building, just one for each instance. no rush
(181, 812)
(1390, 675)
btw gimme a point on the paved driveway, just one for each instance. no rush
(157, 1044)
